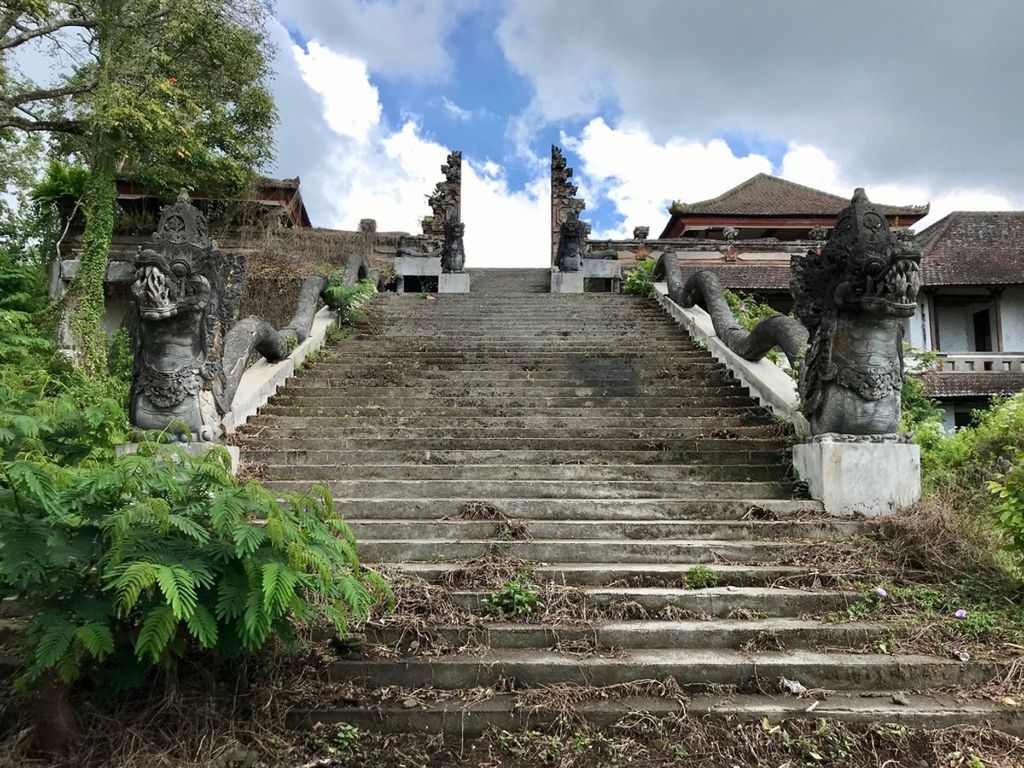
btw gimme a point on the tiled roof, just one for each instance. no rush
(948, 384)
(974, 248)
(764, 195)
(744, 277)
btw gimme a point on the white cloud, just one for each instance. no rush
(351, 103)
(398, 38)
(359, 167)
(454, 110)
(641, 176)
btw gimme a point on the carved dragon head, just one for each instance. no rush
(864, 267)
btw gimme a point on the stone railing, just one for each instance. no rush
(980, 362)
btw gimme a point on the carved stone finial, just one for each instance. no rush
(819, 233)
(853, 297)
(641, 233)
(183, 196)
(730, 233)
(565, 206)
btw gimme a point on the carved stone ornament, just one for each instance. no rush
(853, 297)
(184, 297)
(453, 254)
(571, 247)
(730, 233)
(565, 206)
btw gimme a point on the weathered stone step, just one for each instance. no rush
(446, 458)
(589, 530)
(688, 423)
(471, 376)
(569, 509)
(693, 669)
(510, 712)
(606, 635)
(682, 417)
(409, 399)
(543, 489)
(637, 574)
(739, 427)
(342, 407)
(573, 551)
(255, 436)
(577, 472)
(720, 602)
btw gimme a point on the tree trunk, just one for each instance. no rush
(56, 724)
(83, 310)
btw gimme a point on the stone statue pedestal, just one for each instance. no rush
(453, 282)
(867, 474)
(195, 449)
(566, 282)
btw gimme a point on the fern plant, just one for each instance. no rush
(138, 561)
(347, 300)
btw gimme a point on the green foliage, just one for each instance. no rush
(138, 561)
(639, 281)
(347, 300)
(119, 356)
(1008, 489)
(748, 310)
(514, 598)
(701, 577)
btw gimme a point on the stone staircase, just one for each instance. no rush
(503, 281)
(615, 456)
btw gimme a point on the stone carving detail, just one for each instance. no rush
(188, 351)
(565, 206)
(730, 233)
(571, 248)
(779, 331)
(641, 233)
(853, 297)
(819, 233)
(446, 200)
(453, 253)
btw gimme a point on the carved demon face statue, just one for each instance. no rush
(874, 269)
(166, 286)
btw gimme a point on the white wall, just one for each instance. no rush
(1011, 315)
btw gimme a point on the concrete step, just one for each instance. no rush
(341, 407)
(552, 437)
(257, 434)
(570, 509)
(541, 489)
(637, 530)
(636, 574)
(607, 635)
(720, 602)
(750, 424)
(515, 713)
(573, 551)
(409, 399)
(576, 472)
(694, 669)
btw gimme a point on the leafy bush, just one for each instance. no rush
(748, 312)
(639, 281)
(347, 300)
(514, 598)
(135, 562)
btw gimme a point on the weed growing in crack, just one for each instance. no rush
(515, 598)
(701, 577)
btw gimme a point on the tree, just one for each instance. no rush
(171, 93)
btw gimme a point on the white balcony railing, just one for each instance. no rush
(980, 362)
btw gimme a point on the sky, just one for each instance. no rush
(652, 100)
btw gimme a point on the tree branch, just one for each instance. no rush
(74, 127)
(46, 29)
(41, 94)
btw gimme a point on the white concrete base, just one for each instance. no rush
(197, 450)
(567, 282)
(453, 282)
(418, 266)
(262, 379)
(606, 268)
(867, 477)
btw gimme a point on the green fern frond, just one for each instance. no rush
(178, 588)
(159, 626)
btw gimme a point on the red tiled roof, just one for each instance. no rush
(950, 384)
(974, 248)
(764, 195)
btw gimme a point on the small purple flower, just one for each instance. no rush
(960, 613)
(881, 592)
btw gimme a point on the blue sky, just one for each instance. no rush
(648, 103)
